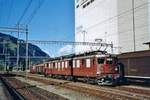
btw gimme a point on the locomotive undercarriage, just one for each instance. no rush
(91, 80)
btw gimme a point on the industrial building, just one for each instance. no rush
(125, 23)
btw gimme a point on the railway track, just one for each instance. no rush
(28, 92)
(134, 90)
(14, 95)
(119, 92)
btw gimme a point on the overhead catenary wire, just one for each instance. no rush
(67, 42)
(10, 11)
(1, 11)
(25, 11)
(34, 12)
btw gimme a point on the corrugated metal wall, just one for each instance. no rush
(135, 64)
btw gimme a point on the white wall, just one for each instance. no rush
(125, 25)
(94, 22)
(149, 19)
(112, 21)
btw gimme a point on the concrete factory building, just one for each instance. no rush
(125, 23)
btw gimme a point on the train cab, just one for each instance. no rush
(107, 70)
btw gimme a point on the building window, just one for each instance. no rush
(92, 1)
(77, 6)
(84, 6)
(78, 63)
(88, 63)
(87, 3)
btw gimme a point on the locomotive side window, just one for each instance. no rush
(66, 64)
(100, 60)
(78, 63)
(56, 65)
(74, 63)
(109, 61)
(59, 66)
(62, 65)
(49, 66)
(88, 63)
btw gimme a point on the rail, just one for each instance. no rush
(15, 95)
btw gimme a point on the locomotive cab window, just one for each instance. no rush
(100, 60)
(109, 61)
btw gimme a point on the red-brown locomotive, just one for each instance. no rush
(97, 66)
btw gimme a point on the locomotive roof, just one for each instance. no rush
(80, 55)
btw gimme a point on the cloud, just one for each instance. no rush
(46, 51)
(68, 49)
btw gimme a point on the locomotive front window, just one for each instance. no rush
(109, 61)
(100, 60)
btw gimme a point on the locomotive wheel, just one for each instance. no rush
(86, 79)
(69, 78)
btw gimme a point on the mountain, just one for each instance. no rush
(8, 46)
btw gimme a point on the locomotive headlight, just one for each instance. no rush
(116, 69)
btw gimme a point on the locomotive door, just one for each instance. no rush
(71, 67)
(100, 63)
(121, 69)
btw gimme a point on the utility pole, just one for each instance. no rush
(83, 32)
(3, 47)
(18, 45)
(26, 67)
(17, 30)
(133, 25)
(112, 51)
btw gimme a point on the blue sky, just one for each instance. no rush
(53, 21)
